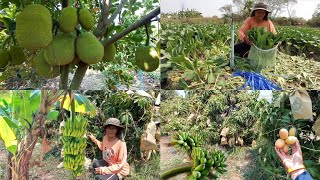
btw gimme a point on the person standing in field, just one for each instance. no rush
(258, 18)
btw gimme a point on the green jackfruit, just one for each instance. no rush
(89, 49)
(43, 68)
(86, 19)
(61, 50)
(17, 55)
(34, 27)
(109, 53)
(147, 58)
(68, 19)
(4, 58)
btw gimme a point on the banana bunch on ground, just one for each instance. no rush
(186, 141)
(204, 163)
(74, 144)
(76, 128)
(74, 163)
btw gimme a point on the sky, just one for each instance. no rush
(208, 8)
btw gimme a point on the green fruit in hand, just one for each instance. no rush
(88, 48)
(34, 27)
(43, 68)
(147, 58)
(86, 19)
(61, 50)
(109, 53)
(68, 19)
(4, 58)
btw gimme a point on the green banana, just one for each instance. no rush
(200, 167)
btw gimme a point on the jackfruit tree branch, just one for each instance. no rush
(146, 19)
(105, 10)
(78, 76)
(105, 24)
(64, 71)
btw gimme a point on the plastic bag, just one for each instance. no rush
(301, 105)
(261, 59)
(256, 81)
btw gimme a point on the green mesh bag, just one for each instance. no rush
(261, 59)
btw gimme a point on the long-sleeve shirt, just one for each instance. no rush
(304, 176)
(115, 154)
(250, 23)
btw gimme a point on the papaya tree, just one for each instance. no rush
(73, 35)
(22, 117)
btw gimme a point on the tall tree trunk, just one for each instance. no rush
(8, 167)
(20, 162)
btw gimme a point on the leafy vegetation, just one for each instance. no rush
(197, 56)
(255, 122)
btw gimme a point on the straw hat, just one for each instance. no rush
(261, 6)
(112, 121)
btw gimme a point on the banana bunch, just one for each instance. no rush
(74, 163)
(76, 128)
(73, 145)
(204, 163)
(186, 141)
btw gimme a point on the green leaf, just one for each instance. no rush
(8, 136)
(34, 94)
(53, 114)
(189, 75)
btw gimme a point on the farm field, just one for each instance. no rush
(242, 125)
(197, 56)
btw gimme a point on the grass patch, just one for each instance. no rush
(145, 170)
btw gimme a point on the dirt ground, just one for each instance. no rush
(95, 80)
(239, 162)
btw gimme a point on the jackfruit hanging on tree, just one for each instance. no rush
(109, 53)
(4, 58)
(61, 50)
(16, 55)
(68, 19)
(88, 48)
(86, 19)
(43, 68)
(34, 27)
(147, 58)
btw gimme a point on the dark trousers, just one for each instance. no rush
(242, 49)
(101, 163)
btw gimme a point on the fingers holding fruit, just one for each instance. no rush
(286, 138)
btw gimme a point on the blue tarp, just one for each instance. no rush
(256, 81)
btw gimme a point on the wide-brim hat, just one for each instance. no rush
(261, 6)
(112, 121)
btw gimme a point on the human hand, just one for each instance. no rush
(248, 41)
(294, 161)
(89, 135)
(98, 170)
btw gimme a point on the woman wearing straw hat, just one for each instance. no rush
(114, 152)
(258, 18)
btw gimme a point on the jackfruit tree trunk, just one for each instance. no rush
(20, 162)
